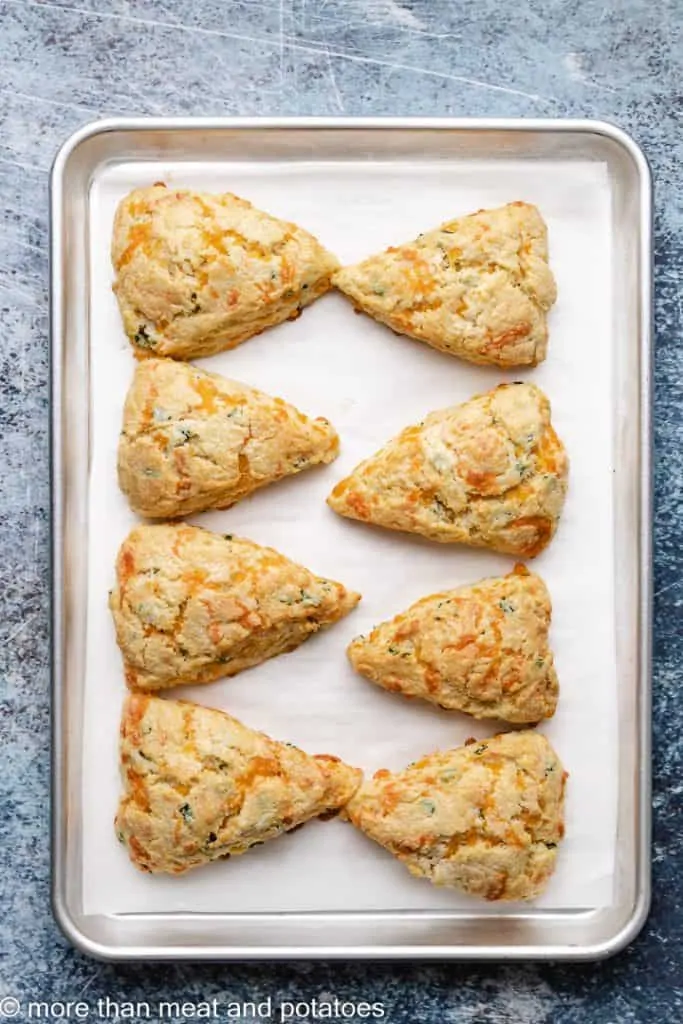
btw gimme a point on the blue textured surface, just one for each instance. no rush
(64, 64)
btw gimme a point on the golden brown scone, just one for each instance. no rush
(478, 287)
(482, 649)
(199, 273)
(191, 606)
(200, 786)
(490, 473)
(485, 818)
(193, 440)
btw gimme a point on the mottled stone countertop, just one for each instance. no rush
(65, 63)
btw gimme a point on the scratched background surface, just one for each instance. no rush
(63, 64)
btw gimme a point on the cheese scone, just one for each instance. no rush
(490, 473)
(485, 818)
(482, 649)
(200, 786)
(199, 273)
(193, 440)
(478, 287)
(191, 606)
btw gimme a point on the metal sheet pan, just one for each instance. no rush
(507, 934)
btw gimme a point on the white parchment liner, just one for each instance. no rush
(371, 383)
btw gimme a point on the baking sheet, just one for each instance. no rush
(371, 383)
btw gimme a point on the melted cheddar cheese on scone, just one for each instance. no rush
(485, 818)
(199, 273)
(191, 606)
(478, 287)
(200, 786)
(490, 473)
(193, 440)
(481, 649)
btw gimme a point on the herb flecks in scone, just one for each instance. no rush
(478, 287)
(199, 273)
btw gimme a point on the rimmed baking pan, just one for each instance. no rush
(361, 184)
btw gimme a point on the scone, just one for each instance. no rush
(191, 606)
(482, 649)
(490, 473)
(485, 818)
(193, 440)
(478, 287)
(199, 273)
(200, 786)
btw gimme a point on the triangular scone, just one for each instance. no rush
(490, 472)
(200, 786)
(193, 440)
(191, 606)
(485, 818)
(199, 273)
(482, 649)
(478, 287)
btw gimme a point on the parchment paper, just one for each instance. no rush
(371, 383)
